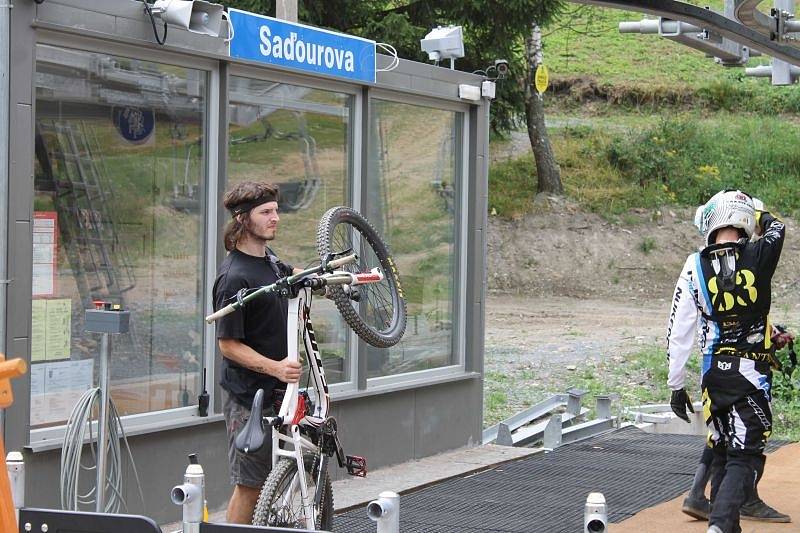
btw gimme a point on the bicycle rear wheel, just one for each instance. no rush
(379, 317)
(280, 505)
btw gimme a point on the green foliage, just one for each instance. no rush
(647, 245)
(686, 160)
(511, 187)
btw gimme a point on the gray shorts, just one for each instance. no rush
(248, 469)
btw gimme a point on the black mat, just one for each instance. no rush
(546, 492)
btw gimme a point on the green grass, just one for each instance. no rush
(512, 186)
(611, 166)
(635, 69)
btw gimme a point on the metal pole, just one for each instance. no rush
(102, 422)
(5, 89)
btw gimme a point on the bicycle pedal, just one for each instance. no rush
(356, 465)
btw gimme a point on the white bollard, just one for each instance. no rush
(191, 495)
(16, 476)
(595, 515)
(386, 512)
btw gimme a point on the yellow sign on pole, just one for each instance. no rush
(541, 79)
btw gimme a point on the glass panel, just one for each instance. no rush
(412, 187)
(299, 139)
(119, 186)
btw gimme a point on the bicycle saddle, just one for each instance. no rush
(251, 438)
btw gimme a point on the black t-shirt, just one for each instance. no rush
(261, 324)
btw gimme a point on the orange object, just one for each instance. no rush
(8, 370)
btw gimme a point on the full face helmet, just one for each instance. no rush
(726, 209)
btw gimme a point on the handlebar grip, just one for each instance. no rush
(228, 309)
(342, 261)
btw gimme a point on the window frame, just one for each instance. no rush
(354, 166)
(457, 368)
(41, 439)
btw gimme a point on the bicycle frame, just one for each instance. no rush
(299, 323)
(285, 427)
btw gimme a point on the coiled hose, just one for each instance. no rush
(80, 420)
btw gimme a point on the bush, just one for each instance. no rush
(689, 160)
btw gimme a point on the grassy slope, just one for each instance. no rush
(587, 43)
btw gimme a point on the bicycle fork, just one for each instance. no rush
(307, 502)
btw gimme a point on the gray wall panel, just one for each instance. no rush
(444, 418)
(126, 8)
(380, 428)
(75, 18)
(18, 324)
(122, 18)
(160, 460)
(21, 144)
(394, 79)
(430, 86)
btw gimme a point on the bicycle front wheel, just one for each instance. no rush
(379, 315)
(280, 503)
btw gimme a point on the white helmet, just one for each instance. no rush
(724, 209)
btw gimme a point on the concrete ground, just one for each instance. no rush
(779, 488)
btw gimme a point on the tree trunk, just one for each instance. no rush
(547, 170)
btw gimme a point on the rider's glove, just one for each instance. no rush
(680, 402)
(780, 337)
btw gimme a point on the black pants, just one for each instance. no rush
(739, 430)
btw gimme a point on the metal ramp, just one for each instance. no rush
(546, 492)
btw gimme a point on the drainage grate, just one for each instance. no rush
(546, 492)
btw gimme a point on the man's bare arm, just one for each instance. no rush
(243, 355)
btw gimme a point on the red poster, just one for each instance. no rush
(45, 252)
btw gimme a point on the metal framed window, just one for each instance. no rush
(416, 175)
(302, 134)
(126, 168)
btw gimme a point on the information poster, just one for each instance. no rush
(56, 388)
(51, 335)
(45, 250)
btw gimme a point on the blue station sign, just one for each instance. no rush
(296, 46)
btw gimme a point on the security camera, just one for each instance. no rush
(501, 65)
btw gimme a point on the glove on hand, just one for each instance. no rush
(780, 337)
(680, 402)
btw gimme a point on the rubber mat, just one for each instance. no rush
(546, 493)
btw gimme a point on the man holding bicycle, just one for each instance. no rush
(252, 339)
(723, 296)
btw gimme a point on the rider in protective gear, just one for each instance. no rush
(723, 296)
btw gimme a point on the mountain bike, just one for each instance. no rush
(358, 274)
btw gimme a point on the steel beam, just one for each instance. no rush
(525, 417)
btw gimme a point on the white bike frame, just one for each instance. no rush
(299, 324)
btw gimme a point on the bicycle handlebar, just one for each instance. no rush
(329, 266)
